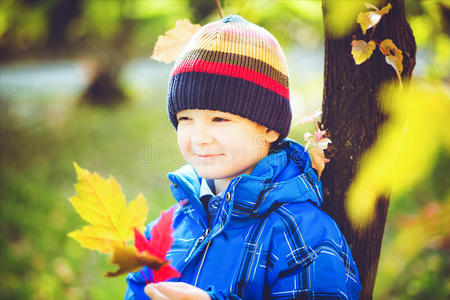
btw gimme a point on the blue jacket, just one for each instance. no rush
(269, 240)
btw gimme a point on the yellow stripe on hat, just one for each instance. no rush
(269, 57)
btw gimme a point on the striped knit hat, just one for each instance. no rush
(234, 66)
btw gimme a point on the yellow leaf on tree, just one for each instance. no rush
(393, 56)
(169, 46)
(340, 15)
(406, 148)
(102, 204)
(129, 260)
(370, 19)
(362, 51)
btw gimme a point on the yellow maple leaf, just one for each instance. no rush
(393, 56)
(362, 51)
(129, 260)
(370, 19)
(102, 204)
(169, 46)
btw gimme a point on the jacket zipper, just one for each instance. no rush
(204, 235)
(201, 264)
(207, 231)
(198, 242)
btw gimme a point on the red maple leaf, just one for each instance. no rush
(159, 244)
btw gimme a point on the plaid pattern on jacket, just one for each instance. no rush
(269, 240)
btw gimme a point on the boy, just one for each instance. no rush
(248, 223)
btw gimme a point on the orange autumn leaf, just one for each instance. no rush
(362, 51)
(169, 46)
(393, 56)
(129, 260)
(370, 19)
(102, 204)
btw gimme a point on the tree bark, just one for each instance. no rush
(352, 116)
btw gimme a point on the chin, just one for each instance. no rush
(209, 174)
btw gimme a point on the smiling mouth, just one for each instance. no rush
(208, 155)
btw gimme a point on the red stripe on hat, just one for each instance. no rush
(197, 65)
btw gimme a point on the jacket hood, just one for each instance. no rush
(285, 176)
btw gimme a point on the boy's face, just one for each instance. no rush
(221, 145)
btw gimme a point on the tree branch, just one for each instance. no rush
(219, 8)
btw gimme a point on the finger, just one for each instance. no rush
(169, 290)
(177, 285)
(154, 293)
(181, 290)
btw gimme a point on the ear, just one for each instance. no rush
(271, 135)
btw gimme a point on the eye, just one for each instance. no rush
(182, 118)
(219, 119)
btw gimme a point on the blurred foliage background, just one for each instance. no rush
(76, 84)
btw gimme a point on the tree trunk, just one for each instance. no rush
(104, 88)
(201, 9)
(60, 15)
(107, 63)
(352, 117)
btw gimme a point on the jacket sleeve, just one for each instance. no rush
(329, 276)
(311, 257)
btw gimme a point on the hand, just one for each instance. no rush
(318, 159)
(175, 291)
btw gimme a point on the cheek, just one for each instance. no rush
(252, 145)
(183, 140)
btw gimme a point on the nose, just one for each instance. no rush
(201, 135)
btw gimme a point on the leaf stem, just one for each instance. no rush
(379, 46)
(145, 277)
(376, 41)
